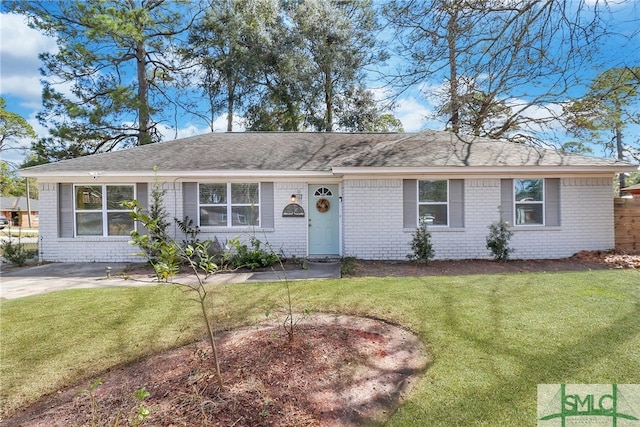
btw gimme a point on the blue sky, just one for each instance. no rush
(21, 88)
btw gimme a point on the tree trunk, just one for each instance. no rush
(144, 137)
(231, 99)
(328, 100)
(452, 33)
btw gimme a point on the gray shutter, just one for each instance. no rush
(65, 210)
(456, 203)
(552, 202)
(410, 203)
(266, 205)
(190, 201)
(142, 196)
(506, 200)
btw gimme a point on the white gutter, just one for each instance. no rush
(485, 170)
(238, 173)
(478, 171)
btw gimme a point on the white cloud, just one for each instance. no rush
(414, 115)
(19, 50)
(189, 129)
(545, 117)
(26, 90)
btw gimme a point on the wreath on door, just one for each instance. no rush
(322, 205)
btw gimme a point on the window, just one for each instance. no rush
(99, 212)
(323, 192)
(529, 201)
(433, 202)
(229, 204)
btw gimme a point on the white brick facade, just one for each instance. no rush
(372, 219)
(372, 223)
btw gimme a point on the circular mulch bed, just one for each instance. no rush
(337, 371)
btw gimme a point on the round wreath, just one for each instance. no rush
(322, 205)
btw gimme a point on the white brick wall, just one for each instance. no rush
(373, 224)
(372, 219)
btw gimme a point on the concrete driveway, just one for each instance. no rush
(26, 281)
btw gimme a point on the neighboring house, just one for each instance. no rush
(632, 191)
(15, 210)
(357, 195)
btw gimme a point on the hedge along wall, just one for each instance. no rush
(627, 225)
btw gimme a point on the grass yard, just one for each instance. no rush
(493, 338)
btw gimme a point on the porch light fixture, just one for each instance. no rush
(295, 198)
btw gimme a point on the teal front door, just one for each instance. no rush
(324, 219)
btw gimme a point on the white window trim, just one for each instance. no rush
(103, 210)
(229, 205)
(533, 202)
(434, 203)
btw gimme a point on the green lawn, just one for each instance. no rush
(493, 338)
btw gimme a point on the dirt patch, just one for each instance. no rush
(338, 371)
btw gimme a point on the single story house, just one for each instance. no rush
(19, 212)
(334, 194)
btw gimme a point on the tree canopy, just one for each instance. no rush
(610, 105)
(110, 82)
(14, 129)
(500, 62)
(127, 69)
(289, 63)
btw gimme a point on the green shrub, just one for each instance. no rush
(254, 257)
(349, 265)
(16, 253)
(498, 240)
(156, 227)
(421, 245)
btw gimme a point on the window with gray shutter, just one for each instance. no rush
(528, 198)
(439, 203)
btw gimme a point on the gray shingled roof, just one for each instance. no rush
(17, 203)
(277, 151)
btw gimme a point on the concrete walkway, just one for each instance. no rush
(21, 282)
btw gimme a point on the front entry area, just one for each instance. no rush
(324, 220)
